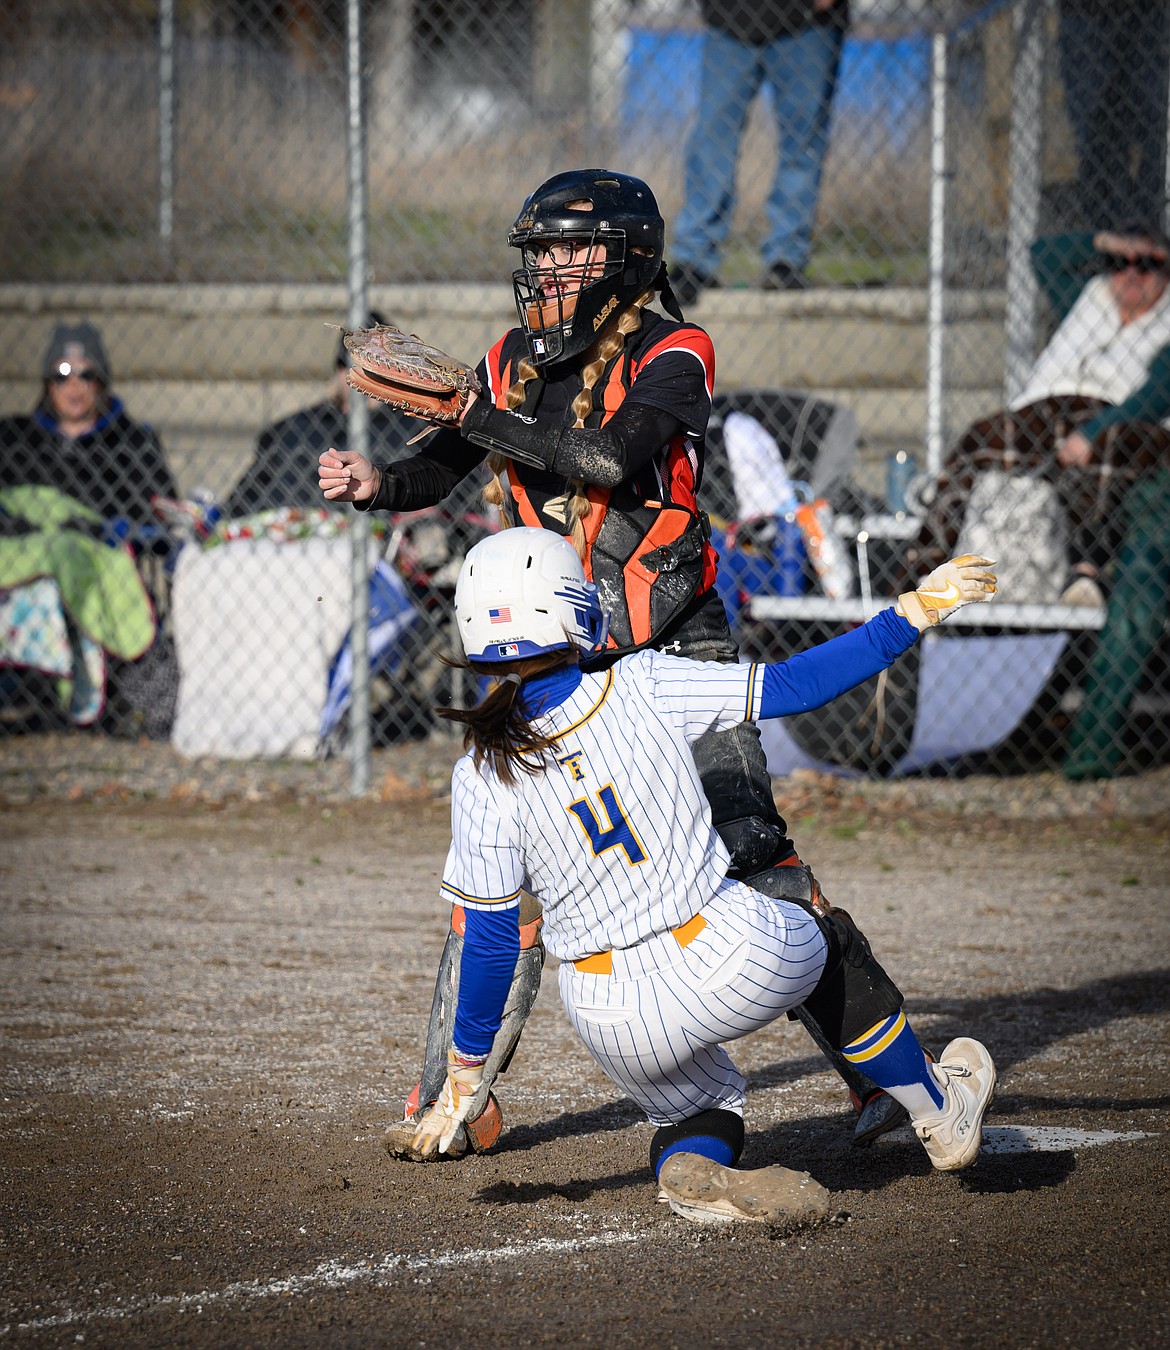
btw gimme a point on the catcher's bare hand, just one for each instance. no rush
(346, 476)
(437, 1128)
(409, 374)
(948, 588)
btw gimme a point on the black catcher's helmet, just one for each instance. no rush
(614, 213)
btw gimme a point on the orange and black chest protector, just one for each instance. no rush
(646, 543)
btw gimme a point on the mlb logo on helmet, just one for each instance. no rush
(506, 649)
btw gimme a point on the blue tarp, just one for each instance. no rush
(879, 78)
(392, 613)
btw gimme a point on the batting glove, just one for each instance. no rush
(948, 588)
(437, 1128)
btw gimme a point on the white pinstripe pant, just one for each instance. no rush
(657, 1024)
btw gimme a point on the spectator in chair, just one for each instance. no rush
(283, 471)
(1093, 416)
(79, 438)
(794, 46)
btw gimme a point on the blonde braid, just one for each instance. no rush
(608, 350)
(493, 493)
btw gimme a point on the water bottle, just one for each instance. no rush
(900, 469)
(788, 552)
(207, 511)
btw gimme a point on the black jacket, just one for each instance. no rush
(284, 469)
(760, 21)
(114, 469)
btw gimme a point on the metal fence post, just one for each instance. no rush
(1024, 202)
(166, 118)
(359, 422)
(937, 246)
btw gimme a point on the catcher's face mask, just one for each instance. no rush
(566, 290)
(590, 242)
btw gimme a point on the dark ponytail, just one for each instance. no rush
(497, 728)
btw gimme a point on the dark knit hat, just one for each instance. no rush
(342, 360)
(72, 344)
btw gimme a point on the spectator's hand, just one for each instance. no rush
(1128, 246)
(346, 476)
(1075, 451)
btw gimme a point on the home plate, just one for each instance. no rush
(1049, 1138)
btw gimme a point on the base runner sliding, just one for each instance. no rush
(579, 788)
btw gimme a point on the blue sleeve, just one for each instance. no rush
(817, 676)
(491, 944)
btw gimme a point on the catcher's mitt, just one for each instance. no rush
(409, 374)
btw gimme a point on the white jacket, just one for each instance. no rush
(1093, 354)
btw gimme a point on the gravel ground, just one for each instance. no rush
(82, 767)
(211, 1008)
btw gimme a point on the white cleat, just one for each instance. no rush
(704, 1191)
(952, 1138)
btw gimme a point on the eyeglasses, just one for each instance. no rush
(560, 254)
(1118, 262)
(65, 371)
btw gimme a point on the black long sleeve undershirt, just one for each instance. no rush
(603, 457)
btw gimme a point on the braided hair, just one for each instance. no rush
(605, 352)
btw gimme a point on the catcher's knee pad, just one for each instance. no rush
(441, 1027)
(789, 879)
(714, 1134)
(734, 773)
(752, 844)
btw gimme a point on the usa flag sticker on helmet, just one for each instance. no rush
(500, 615)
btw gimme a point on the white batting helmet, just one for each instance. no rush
(522, 593)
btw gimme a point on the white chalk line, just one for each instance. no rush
(334, 1275)
(1050, 1138)
(328, 1275)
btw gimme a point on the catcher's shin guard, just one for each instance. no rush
(485, 1121)
(822, 1013)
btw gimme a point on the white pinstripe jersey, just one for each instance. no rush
(615, 837)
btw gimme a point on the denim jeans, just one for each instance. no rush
(801, 72)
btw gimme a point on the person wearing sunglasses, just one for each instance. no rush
(1093, 415)
(80, 439)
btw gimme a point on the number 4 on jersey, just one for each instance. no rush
(620, 834)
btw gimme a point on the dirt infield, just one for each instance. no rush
(209, 1013)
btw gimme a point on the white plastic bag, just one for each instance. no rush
(1019, 521)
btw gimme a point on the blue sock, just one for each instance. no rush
(707, 1145)
(716, 1134)
(889, 1053)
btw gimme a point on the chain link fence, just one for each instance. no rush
(932, 255)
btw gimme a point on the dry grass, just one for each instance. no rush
(261, 179)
